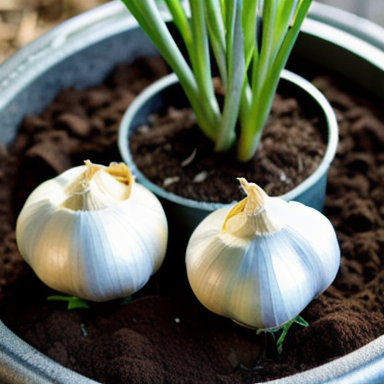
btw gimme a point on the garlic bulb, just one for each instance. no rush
(92, 232)
(262, 261)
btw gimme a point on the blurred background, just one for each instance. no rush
(369, 9)
(22, 21)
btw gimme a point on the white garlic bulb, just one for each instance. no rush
(262, 261)
(92, 232)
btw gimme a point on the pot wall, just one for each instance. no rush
(344, 44)
(81, 52)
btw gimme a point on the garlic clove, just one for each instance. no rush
(262, 261)
(93, 232)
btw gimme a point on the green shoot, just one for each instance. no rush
(73, 302)
(126, 300)
(284, 331)
(249, 59)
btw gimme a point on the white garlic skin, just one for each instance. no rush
(264, 280)
(98, 255)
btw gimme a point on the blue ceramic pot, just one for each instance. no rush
(185, 214)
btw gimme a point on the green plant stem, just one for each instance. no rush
(201, 63)
(181, 21)
(236, 75)
(216, 31)
(249, 73)
(151, 21)
(249, 22)
(267, 67)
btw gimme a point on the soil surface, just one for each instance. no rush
(164, 334)
(172, 152)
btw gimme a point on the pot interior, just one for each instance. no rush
(28, 87)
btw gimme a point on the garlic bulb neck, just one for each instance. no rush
(98, 187)
(253, 215)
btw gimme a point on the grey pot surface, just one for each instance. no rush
(82, 51)
(185, 214)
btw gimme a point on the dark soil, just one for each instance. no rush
(164, 334)
(174, 154)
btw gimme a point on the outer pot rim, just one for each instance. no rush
(21, 363)
(348, 31)
(159, 85)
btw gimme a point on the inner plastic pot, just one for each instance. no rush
(185, 214)
(82, 51)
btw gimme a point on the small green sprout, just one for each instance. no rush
(73, 301)
(251, 42)
(284, 331)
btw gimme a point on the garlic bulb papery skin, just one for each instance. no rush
(92, 232)
(263, 260)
